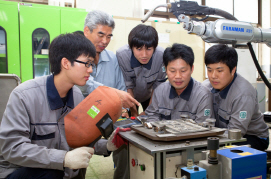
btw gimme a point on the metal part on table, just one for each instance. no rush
(147, 125)
(160, 129)
(177, 126)
(142, 118)
(144, 121)
(211, 122)
(234, 134)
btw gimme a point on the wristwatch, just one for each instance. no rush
(124, 111)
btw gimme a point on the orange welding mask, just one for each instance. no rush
(93, 117)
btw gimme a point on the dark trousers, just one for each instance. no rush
(81, 174)
(255, 142)
(36, 173)
(120, 158)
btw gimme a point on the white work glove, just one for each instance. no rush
(115, 140)
(78, 158)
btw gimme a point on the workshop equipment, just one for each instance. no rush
(93, 117)
(195, 173)
(160, 159)
(234, 134)
(242, 162)
(212, 165)
(225, 31)
(170, 130)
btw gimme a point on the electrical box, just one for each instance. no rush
(242, 163)
(195, 172)
(141, 163)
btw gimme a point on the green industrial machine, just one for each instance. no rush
(9, 38)
(39, 25)
(72, 20)
(26, 30)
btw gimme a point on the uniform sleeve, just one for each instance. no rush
(15, 143)
(152, 110)
(205, 108)
(161, 77)
(92, 85)
(242, 111)
(127, 78)
(101, 148)
(120, 84)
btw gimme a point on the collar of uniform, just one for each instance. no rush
(102, 58)
(225, 91)
(185, 94)
(136, 63)
(54, 99)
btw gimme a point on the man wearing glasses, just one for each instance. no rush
(32, 133)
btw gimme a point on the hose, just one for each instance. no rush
(224, 14)
(258, 66)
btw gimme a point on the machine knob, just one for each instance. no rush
(133, 162)
(142, 167)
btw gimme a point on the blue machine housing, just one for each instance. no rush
(242, 163)
(192, 174)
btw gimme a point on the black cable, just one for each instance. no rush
(224, 14)
(196, 19)
(258, 66)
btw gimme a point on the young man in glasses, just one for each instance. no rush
(32, 132)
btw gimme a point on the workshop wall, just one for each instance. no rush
(169, 33)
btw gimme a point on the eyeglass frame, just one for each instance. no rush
(87, 64)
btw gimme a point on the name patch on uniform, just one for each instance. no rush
(207, 112)
(242, 115)
(163, 69)
(93, 111)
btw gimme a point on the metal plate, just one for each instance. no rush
(180, 126)
(151, 134)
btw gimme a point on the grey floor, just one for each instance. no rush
(100, 167)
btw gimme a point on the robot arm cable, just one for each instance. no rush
(258, 66)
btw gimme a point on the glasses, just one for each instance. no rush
(87, 64)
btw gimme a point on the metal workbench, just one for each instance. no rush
(161, 150)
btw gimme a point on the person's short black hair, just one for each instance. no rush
(178, 51)
(221, 53)
(143, 35)
(70, 46)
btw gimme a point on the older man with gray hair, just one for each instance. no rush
(98, 29)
